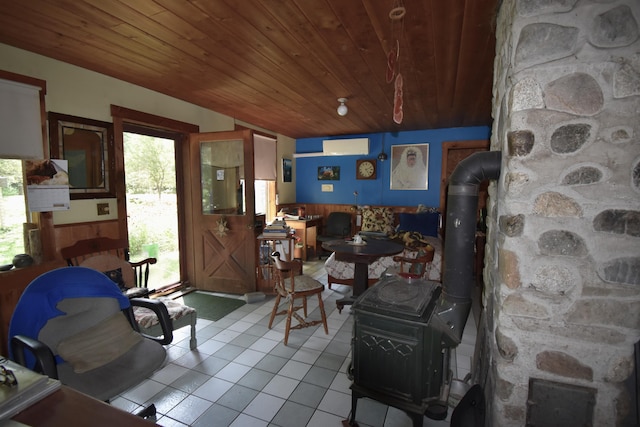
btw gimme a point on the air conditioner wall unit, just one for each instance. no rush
(345, 147)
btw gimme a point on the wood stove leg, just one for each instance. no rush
(354, 405)
(417, 419)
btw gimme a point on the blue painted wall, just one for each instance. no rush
(376, 192)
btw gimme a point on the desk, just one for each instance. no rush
(67, 407)
(307, 230)
(361, 256)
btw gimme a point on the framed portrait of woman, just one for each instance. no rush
(410, 167)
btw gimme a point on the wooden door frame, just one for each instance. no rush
(194, 164)
(123, 116)
(444, 177)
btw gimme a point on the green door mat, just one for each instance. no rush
(211, 307)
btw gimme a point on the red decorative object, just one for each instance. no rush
(397, 100)
(392, 62)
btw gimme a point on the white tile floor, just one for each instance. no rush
(242, 375)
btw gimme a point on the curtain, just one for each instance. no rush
(21, 136)
(264, 153)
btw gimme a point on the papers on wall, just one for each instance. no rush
(47, 185)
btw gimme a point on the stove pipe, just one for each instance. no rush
(462, 208)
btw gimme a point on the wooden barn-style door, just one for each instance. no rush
(223, 242)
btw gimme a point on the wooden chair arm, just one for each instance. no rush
(294, 266)
(145, 261)
(141, 271)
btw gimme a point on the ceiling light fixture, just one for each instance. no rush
(342, 109)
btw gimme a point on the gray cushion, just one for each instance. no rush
(81, 314)
(100, 344)
(109, 380)
(124, 372)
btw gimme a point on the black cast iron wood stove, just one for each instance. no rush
(398, 356)
(403, 330)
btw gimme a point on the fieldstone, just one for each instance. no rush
(553, 204)
(620, 135)
(503, 389)
(544, 42)
(621, 270)
(594, 334)
(576, 93)
(582, 176)
(517, 305)
(626, 80)
(614, 28)
(515, 414)
(506, 346)
(554, 280)
(618, 221)
(620, 369)
(624, 405)
(530, 8)
(561, 242)
(512, 225)
(520, 142)
(526, 94)
(516, 180)
(635, 177)
(508, 268)
(570, 138)
(562, 364)
(616, 313)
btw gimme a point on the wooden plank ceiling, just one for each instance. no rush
(280, 64)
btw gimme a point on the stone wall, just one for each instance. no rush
(562, 292)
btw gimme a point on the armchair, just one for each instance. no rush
(416, 265)
(74, 324)
(109, 256)
(337, 226)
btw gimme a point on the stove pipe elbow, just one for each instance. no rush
(461, 222)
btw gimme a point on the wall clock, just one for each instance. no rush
(366, 169)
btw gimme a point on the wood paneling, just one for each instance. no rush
(67, 235)
(14, 283)
(280, 65)
(325, 209)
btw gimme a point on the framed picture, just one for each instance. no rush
(87, 145)
(287, 172)
(410, 167)
(328, 173)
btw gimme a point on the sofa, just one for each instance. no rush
(414, 230)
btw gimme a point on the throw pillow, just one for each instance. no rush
(424, 223)
(99, 344)
(116, 277)
(377, 219)
(108, 263)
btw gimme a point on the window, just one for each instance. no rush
(21, 112)
(265, 198)
(12, 210)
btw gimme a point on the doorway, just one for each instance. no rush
(152, 202)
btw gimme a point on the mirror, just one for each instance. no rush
(88, 147)
(222, 177)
